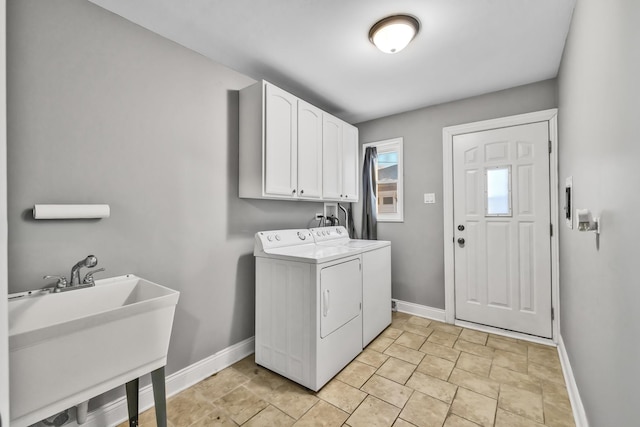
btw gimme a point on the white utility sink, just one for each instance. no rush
(65, 348)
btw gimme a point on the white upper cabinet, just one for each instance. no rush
(350, 163)
(280, 143)
(331, 157)
(340, 160)
(309, 151)
(290, 149)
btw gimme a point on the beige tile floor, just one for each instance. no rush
(418, 372)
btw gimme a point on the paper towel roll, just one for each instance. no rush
(71, 211)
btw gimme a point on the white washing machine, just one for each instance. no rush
(376, 277)
(308, 306)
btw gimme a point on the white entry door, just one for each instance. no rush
(502, 221)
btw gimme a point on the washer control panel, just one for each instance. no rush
(323, 234)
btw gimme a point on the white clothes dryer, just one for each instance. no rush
(308, 306)
(376, 277)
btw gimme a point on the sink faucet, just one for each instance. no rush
(90, 261)
(62, 285)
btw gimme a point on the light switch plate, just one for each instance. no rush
(429, 197)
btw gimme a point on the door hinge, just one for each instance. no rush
(553, 314)
(551, 229)
(549, 147)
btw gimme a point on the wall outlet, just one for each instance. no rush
(393, 306)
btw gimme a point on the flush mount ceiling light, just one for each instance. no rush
(393, 33)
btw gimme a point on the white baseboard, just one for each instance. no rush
(579, 414)
(115, 412)
(419, 310)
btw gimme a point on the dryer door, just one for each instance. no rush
(340, 295)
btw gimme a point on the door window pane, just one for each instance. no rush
(498, 191)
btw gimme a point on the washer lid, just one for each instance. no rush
(357, 243)
(339, 236)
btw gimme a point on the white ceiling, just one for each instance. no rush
(319, 50)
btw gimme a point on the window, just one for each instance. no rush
(498, 191)
(390, 179)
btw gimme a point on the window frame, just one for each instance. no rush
(387, 145)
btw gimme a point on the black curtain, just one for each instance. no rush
(370, 194)
(352, 227)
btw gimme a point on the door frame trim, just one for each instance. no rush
(4, 316)
(448, 133)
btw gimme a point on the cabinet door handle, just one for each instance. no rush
(293, 192)
(301, 191)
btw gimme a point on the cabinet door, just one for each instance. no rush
(309, 151)
(349, 163)
(280, 145)
(331, 157)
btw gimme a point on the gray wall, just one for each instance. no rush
(418, 252)
(103, 111)
(599, 102)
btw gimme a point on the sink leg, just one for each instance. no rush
(132, 401)
(159, 396)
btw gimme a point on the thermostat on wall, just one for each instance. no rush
(568, 189)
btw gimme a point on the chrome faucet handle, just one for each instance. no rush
(62, 281)
(88, 278)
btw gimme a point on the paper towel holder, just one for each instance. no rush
(70, 211)
(586, 222)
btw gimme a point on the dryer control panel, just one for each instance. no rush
(281, 238)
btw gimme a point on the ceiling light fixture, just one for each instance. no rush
(393, 33)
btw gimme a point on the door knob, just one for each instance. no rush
(461, 241)
(461, 227)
